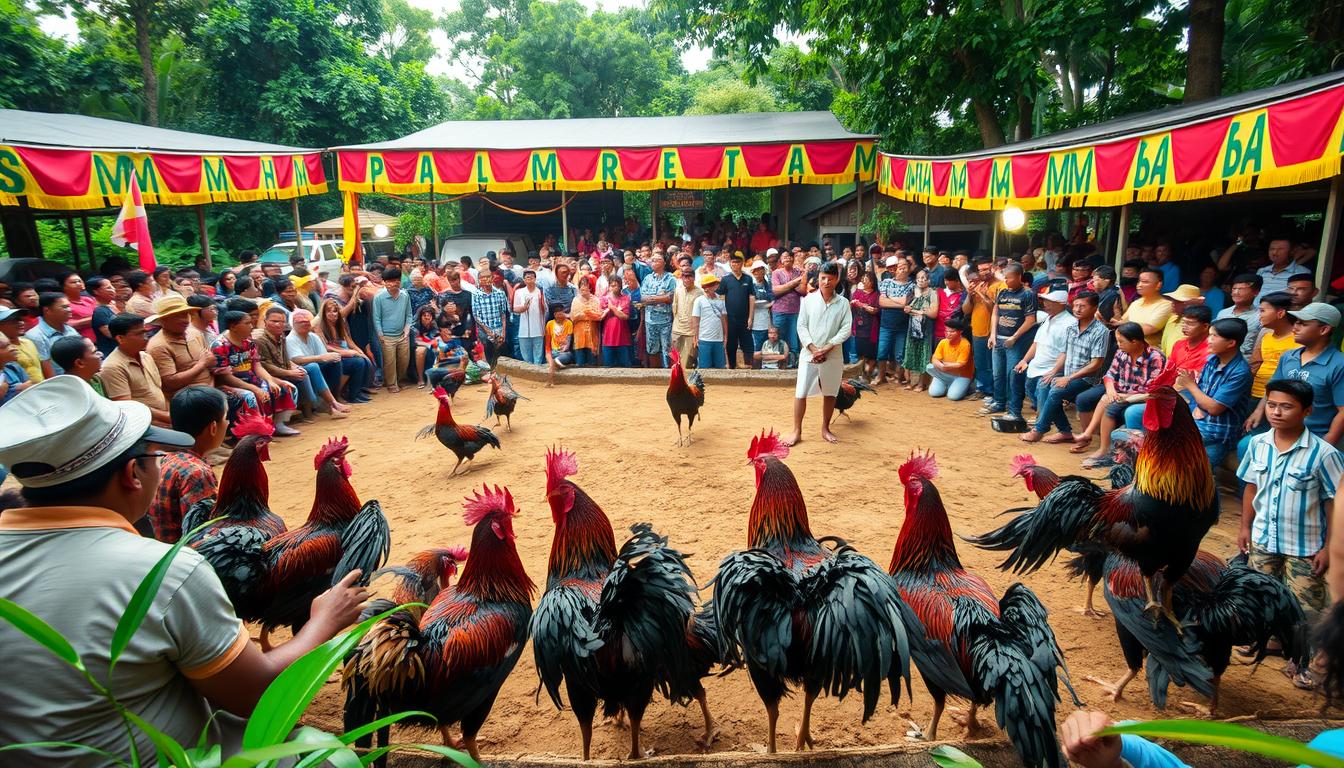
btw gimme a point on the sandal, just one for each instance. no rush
(1031, 436)
(1081, 444)
(1058, 439)
(421, 385)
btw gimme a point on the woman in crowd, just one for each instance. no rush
(616, 327)
(356, 367)
(585, 313)
(863, 303)
(950, 298)
(424, 333)
(923, 310)
(224, 288)
(630, 278)
(1125, 385)
(163, 282)
(853, 275)
(895, 287)
(421, 295)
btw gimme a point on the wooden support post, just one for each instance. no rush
(434, 229)
(298, 227)
(926, 224)
(74, 241)
(205, 236)
(88, 242)
(1121, 238)
(1325, 257)
(784, 238)
(858, 213)
(653, 217)
(564, 224)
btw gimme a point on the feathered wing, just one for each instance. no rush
(564, 641)
(469, 658)
(1021, 609)
(237, 553)
(512, 393)
(754, 600)
(365, 544)
(933, 656)
(858, 636)
(1004, 669)
(1064, 517)
(387, 665)
(697, 384)
(198, 514)
(1247, 607)
(490, 405)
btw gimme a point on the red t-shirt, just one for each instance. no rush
(1184, 357)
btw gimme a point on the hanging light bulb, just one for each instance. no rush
(1013, 218)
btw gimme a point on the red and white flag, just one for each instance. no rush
(131, 229)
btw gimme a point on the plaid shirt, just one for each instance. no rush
(1131, 376)
(184, 479)
(1083, 346)
(1293, 490)
(1230, 385)
(489, 309)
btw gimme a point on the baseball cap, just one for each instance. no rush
(757, 264)
(1185, 292)
(8, 312)
(63, 424)
(708, 278)
(1319, 311)
(771, 251)
(892, 261)
(1059, 297)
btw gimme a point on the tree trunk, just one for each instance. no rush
(150, 89)
(991, 133)
(1026, 109)
(1104, 95)
(1204, 59)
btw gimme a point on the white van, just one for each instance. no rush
(321, 256)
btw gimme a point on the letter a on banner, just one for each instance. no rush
(131, 229)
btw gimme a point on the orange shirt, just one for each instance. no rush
(957, 356)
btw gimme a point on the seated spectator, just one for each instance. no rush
(1111, 302)
(356, 368)
(951, 368)
(1044, 357)
(179, 350)
(424, 332)
(1220, 397)
(774, 353)
(1079, 367)
(52, 325)
(307, 351)
(559, 343)
(12, 326)
(129, 373)
(274, 353)
(13, 379)
(1125, 386)
(1149, 308)
(205, 321)
(1214, 297)
(1183, 297)
(25, 298)
(142, 297)
(105, 294)
(238, 369)
(1244, 290)
(1191, 351)
(185, 476)
(1302, 288)
(448, 355)
(79, 357)
(1317, 363)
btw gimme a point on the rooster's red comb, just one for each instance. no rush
(1164, 379)
(767, 444)
(922, 466)
(253, 423)
(1021, 463)
(441, 395)
(456, 554)
(332, 448)
(560, 463)
(486, 502)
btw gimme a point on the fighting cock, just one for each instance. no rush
(503, 399)
(685, 396)
(1223, 605)
(964, 641)
(243, 496)
(792, 611)
(1157, 520)
(464, 440)
(850, 392)
(451, 659)
(274, 579)
(614, 626)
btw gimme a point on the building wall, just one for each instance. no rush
(950, 228)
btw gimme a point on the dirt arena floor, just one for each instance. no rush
(699, 497)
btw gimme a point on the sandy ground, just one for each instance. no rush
(699, 497)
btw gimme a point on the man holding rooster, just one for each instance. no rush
(823, 325)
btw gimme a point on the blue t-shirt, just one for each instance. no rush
(1325, 374)
(895, 319)
(1141, 753)
(14, 374)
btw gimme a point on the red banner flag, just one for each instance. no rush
(131, 229)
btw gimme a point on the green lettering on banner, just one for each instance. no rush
(216, 176)
(669, 164)
(110, 182)
(268, 173)
(376, 168)
(864, 158)
(609, 163)
(543, 170)
(796, 166)
(11, 179)
(1001, 179)
(732, 154)
(886, 174)
(1065, 176)
(1151, 169)
(480, 170)
(149, 176)
(426, 170)
(300, 172)
(1254, 150)
(919, 178)
(956, 182)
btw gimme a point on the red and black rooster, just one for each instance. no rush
(849, 394)
(274, 579)
(792, 611)
(450, 660)
(243, 497)
(685, 396)
(1158, 520)
(464, 440)
(1222, 605)
(503, 400)
(964, 641)
(615, 626)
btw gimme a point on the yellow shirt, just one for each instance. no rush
(1154, 312)
(981, 311)
(956, 356)
(557, 335)
(29, 360)
(1271, 349)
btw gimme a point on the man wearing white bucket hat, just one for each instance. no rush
(89, 470)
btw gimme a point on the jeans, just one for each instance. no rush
(851, 350)
(617, 357)
(710, 354)
(890, 345)
(1051, 408)
(563, 358)
(1218, 451)
(758, 339)
(1036, 393)
(396, 357)
(361, 375)
(1087, 401)
(530, 349)
(739, 338)
(583, 356)
(1009, 385)
(313, 385)
(787, 323)
(945, 384)
(984, 366)
(658, 341)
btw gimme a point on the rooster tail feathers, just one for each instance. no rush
(697, 383)
(365, 544)
(858, 383)
(1022, 611)
(1175, 654)
(1059, 520)
(1248, 607)
(425, 431)
(754, 600)
(858, 634)
(563, 640)
(1003, 668)
(385, 670)
(489, 406)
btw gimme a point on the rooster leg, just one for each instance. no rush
(448, 740)
(265, 640)
(1212, 709)
(1089, 610)
(635, 752)
(1114, 691)
(586, 731)
(711, 730)
(1168, 611)
(939, 701)
(805, 726)
(772, 719)
(680, 438)
(508, 420)
(455, 466)
(969, 721)
(470, 743)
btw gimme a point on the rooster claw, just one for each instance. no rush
(706, 739)
(915, 733)
(1198, 709)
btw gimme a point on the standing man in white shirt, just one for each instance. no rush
(530, 306)
(823, 325)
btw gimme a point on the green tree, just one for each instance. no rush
(35, 70)
(405, 36)
(731, 96)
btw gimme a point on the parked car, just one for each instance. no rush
(476, 245)
(321, 255)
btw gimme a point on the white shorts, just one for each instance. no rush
(820, 378)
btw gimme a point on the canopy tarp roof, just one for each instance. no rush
(367, 221)
(75, 162)
(1287, 134)
(639, 153)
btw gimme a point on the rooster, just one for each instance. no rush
(1158, 520)
(453, 381)
(243, 496)
(274, 579)
(1223, 605)
(849, 394)
(792, 611)
(614, 626)
(963, 640)
(464, 440)
(503, 399)
(685, 396)
(450, 660)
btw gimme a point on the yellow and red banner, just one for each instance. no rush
(457, 171)
(1293, 141)
(73, 179)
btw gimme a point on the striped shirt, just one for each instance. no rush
(1082, 346)
(1131, 376)
(1293, 490)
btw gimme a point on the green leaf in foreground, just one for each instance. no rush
(1232, 736)
(40, 632)
(251, 757)
(456, 755)
(946, 756)
(167, 747)
(66, 745)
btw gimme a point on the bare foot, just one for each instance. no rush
(828, 436)
(794, 439)
(1091, 613)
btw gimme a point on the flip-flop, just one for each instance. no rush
(1058, 439)
(1081, 444)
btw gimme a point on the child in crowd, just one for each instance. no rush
(13, 379)
(1220, 396)
(1191, 351)
(1125, 385)
(559, 343)
(951, 368)
(185, 476)
(238, 368)
(448, 354)
(774, 353)
(709, 324)
(79, 357)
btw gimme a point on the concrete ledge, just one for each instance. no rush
(742, 377)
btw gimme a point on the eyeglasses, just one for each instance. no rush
(151, 455)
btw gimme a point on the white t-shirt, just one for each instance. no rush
(532, 323)
(710, 311)
(1049, 343)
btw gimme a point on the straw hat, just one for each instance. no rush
(171, 304)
